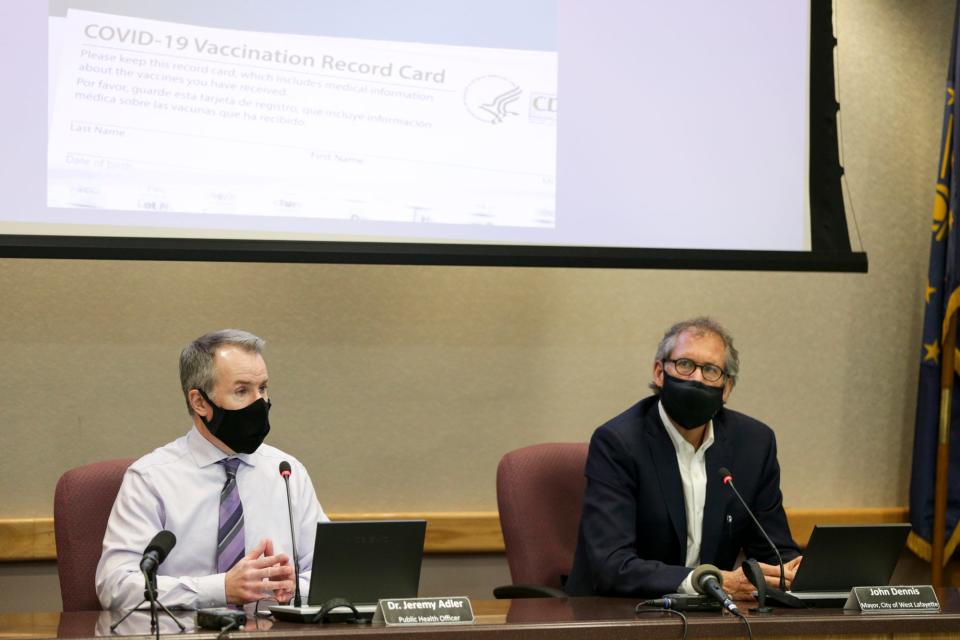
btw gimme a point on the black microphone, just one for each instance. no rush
(285, 472)
(707, 580)
(727, 479)
(156, 552)
(780, 596)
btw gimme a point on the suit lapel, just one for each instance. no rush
(668, 473)
(715, 502)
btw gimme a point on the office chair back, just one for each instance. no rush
(540, 495)
(81, 507)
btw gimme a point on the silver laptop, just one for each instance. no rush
(361, 561)
(840, 557)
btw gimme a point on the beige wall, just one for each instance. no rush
(401, 387)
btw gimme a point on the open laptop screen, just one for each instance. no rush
(365, 560)
(840, 557)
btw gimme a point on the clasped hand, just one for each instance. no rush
(260, 575)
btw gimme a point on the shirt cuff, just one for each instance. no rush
(211, 591)
(304, 583)
(686, 586)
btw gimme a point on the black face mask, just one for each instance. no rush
(243, 430)
(688, 402)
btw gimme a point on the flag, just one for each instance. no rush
(942, 301)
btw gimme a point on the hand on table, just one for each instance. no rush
(736, 584)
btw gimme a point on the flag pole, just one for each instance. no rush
(947, 377)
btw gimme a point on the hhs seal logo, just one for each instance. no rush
(491, 98)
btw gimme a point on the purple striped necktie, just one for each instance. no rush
(230, 542)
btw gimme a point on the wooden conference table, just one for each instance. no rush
(535, 619)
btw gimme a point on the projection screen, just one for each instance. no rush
(544, 132)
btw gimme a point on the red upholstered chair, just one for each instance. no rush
(81, 507)
(540, 496)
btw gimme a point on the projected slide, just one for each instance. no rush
(684, 125)
(164, 117)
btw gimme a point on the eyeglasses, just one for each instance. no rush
(686, 367)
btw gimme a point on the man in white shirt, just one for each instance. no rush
(655, 506)
(218, 489)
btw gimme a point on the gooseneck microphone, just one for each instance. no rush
(777, 595)
(727, 478)
(286, 472)
(156, 552)
(707, 580)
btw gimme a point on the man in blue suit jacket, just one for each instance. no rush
(655, 505)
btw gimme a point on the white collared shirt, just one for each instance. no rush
(693, 477)
(177, 488)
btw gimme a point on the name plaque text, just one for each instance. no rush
(907, 599)
(424, 611)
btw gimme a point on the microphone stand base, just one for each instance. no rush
(784, 599)
(154, 623)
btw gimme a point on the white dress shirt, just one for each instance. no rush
(693, 476)
(177, 487)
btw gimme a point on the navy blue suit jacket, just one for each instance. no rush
(633, 530)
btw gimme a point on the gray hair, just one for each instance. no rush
(196, 359)
(700, 326)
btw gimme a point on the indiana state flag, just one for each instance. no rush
(942, 301)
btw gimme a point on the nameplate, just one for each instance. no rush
(915, 599)
(424, 611)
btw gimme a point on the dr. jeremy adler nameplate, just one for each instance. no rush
(424, 611)
(899, 599)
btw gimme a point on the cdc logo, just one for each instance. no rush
(491, 99)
